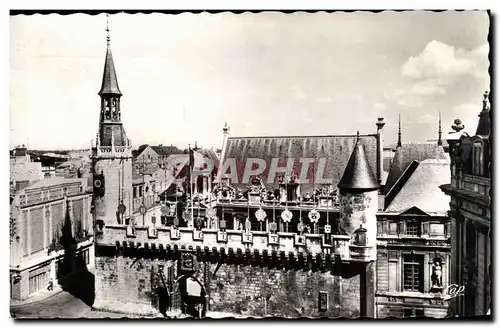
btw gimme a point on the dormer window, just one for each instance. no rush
(477, 164)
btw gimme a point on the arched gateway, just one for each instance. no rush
(184, 293)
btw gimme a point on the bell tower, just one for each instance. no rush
(111, 156)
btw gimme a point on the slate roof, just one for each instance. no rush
(336, 149)
(109, 80)
(116, 130)
(358, 175)
(420, 188)
(166, 150)
(408, 153)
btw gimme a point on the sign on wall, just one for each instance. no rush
(323, 301)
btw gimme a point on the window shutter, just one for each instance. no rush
(425, 228)
(402, 228)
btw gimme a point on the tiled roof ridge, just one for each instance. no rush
(400, 183)
(307, 136)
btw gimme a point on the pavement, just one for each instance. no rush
(61, 304)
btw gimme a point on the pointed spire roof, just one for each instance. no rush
(109, 81)
(358, 174)
(399, 132)
(440, 140)
(484, 125)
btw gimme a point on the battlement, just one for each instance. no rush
(184, 238)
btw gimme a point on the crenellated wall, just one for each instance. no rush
(234, 282)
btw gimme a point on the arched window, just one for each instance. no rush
(477, 160)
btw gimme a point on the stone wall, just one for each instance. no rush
(259, 291)
(114, 181)
(124, 285)
(357, 209)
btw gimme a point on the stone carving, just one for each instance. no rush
(437, 274)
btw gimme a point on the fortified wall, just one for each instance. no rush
(257, 279)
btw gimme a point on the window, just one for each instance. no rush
(393, 228)
(436, 229)
(477, 166)
(410, 312)
(135, 192)
(412, 228)
(140, 191)
(412, 273)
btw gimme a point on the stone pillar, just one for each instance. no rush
(427, 272)
(367, 290)
(28, 228)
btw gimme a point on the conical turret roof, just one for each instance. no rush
(358, 174)
(109, 81)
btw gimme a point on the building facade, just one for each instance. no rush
(23, 170)
(37, 215)
(470, 214)
(413, 263)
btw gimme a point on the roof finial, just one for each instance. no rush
(357, 137)
(108, 38)
(399, 132)
(486, 106)
(440, 141)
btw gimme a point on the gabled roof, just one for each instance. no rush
(336, 150)
(414, 211)
(408, 153)
(420, 188)
(358, 175)
(109, 80)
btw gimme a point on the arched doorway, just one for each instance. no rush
(192, 296)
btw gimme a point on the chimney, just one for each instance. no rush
(225, 134)
(21, 185)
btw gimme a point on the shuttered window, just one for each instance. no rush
(413, 273)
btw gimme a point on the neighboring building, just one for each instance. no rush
(413, 264)
(148, 155)
(37, 215)
(165, 151)
(23, 170)
(470, 214)
(156, 154)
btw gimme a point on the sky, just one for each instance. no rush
(268, 74)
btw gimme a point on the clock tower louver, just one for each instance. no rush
(112, 156)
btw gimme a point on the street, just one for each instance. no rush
(62, 305)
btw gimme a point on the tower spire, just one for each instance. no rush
(399, 132)
(440, 141)
(108, 38)
(109, 81)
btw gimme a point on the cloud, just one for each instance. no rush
(468, 113)
(439, 61)
(437, 70)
